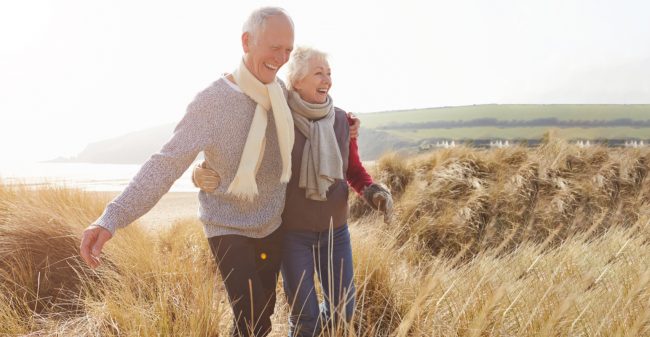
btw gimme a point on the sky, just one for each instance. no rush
(73, 72)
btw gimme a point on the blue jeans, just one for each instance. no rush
(329, 254)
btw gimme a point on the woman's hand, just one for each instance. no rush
(380, 198)
(205, 178)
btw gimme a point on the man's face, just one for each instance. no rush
(269, 50)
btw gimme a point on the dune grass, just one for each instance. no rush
(550, 241)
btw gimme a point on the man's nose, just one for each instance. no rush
(282, 57)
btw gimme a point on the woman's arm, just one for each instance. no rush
(376, 195)
(357, 176)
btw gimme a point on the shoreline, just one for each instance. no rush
(171, 207)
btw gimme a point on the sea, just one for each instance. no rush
(86, 176)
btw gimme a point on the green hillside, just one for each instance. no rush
(407, 130)
(509, 112)
(411, 125)
(521, 133)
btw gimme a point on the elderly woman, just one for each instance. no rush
(316, 236)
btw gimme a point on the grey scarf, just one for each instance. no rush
(321, 157)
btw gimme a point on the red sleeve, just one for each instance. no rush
(357, 176)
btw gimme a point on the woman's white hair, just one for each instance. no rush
(256, 21)
(298, 65)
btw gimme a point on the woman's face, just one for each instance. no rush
(313, 88)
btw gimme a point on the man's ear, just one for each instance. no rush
(245, 41)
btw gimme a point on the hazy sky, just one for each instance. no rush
(73, 72)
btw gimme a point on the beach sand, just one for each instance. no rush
(173, 206)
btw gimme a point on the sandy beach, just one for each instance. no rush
(173, 206)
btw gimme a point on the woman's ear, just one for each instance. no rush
(296, 85)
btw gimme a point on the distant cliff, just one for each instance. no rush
(137, 147)
(132, 148)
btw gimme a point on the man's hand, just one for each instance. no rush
(354, 127)
(93, 239)
(205, 178)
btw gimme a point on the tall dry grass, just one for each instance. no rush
(149, 285)
(552, 241)
(468, 200)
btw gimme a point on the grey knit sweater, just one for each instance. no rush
(216, 122)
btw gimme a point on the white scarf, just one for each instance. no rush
(268, 97)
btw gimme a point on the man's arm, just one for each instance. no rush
(152, 181)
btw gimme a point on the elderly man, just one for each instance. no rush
(243, 125)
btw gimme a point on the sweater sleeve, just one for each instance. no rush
(159, 172)
(357, 175)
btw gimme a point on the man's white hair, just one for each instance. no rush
(298, 66)
(256, 21)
